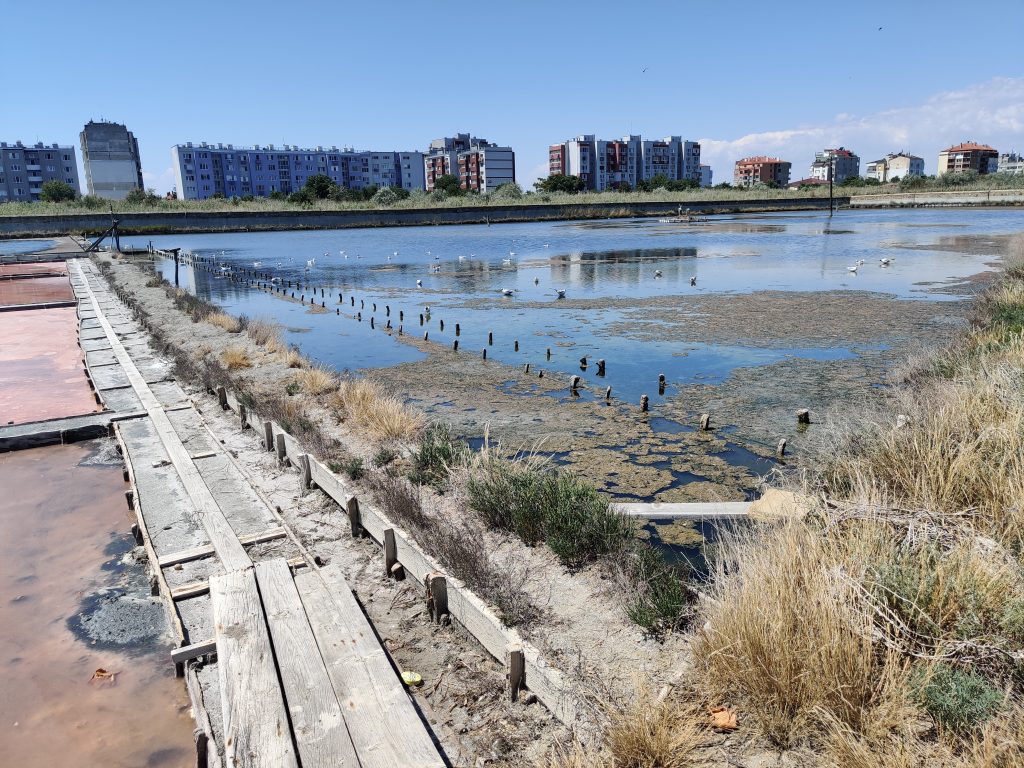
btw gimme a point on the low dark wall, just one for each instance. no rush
(173, 222)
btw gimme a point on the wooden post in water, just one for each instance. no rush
(455, 346)
(608, 394)
(574, 383)
(490, 338)
(705, 422)
(780, 450)
(442, 324)
(426, 335)
(483, 353)
(527, 368)
(516, 345)
(803, 416)
(458, 329)
(600, 367)
(549, 353)
(644, 403)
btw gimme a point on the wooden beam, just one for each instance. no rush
(256, 730)
(194, 651)
(198, 553)
(317, 721)
(385, 727)
(696, 510)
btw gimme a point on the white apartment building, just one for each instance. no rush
(894, 166)
(845, 165)
(1010, 162)
(610, 164)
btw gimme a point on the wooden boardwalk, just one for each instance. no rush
(709, 510)
(283, 666)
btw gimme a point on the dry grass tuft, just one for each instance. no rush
(382, 416)
(227, 322)
(235, 358)
(265, 333)
(291, 358)
(658, 733)
(786, 632)
(316, 380)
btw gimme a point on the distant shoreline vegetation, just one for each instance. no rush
(320, 196)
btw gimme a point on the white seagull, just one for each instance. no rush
(311, 263)
(507, 292)
(657, 273)
(560, 293)
(884, 262)
(852, 269)
(419, 283)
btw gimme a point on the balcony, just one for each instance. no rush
(35, 178)
(33, 168)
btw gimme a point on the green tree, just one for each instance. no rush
(509, 191)
(277, 194)
(56, 191)
(449, 184)
(558, 182)
(385, 196)
(302, 197)
(320, 187)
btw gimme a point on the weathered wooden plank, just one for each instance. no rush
(228, 548)
(319, 726)
(193, 651)
(694, 510)
(197, 553)
(256, 732)
(384, 724)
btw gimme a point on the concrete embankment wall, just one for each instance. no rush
(938, 199)
(174, 222)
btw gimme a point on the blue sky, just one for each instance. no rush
(749, 77)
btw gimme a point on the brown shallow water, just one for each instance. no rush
(34, 268)
(41, 374)
(59, 521)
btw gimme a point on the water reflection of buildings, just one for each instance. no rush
(630, 266)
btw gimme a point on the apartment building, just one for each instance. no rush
(205, 170)
(1011, 162)
(967, 156)
(895, 166)
(24, 170)
(110, 155)
(705, 175)
(845, 164)
(761, 169)
(611, 164)
(478, 164)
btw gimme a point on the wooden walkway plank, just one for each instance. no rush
(256, 730)
(198, 553)
(320, 732)
(229, 549)
(385, 726)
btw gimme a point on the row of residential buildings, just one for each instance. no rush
(840, 164)
(623, 163)
(207, 170)
(110, 157)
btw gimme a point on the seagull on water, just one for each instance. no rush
(310, 263)
(560, 293)
(257, 264)
(852, 269)
(884, 262)
(657, 273)
(507, 292)
(693, 280)
(419, 283)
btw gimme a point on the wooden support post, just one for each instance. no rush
(387, 310)
(455, 346)
(458, 329)
(282, 450)
(305, 472)
(705, 422)
(222, 397)
(490, 338)
(401, 315)
(574, 383)
(421, 318)
(483, 353)
(527, 368)
(390, 551)
(803, 416)
(353, 300)
(608, 394)
(355, 521)
(371, 322)
(549, 353)
(442, 324)
(780, 450)
(375, 306)
(644, 403)
(600, 367)
(516, 345)
(516, 670)
(426, 335)
(242, 416)
(137, 534)
(437, 596)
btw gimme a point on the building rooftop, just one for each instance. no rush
(969, 146)
(37, 145)
(761, 159)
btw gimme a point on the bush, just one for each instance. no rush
(385, 196)
(508, 191)
(56, 191)
(383, 457)
(352, 467)
(958, 700)
(538, 503)
(438, 452)
(660, 600)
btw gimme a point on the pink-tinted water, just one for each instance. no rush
(56, 519)
(34, 268)
(35, 290)
(41, 373)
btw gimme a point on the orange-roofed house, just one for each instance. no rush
(968, 156)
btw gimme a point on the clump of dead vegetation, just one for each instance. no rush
(235, 358)
(900, 599)
(380, 415)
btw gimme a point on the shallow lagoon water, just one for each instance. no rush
(463, 270)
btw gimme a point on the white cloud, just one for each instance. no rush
(161, 182)
(991, 113)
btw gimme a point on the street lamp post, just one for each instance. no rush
(831, 165)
